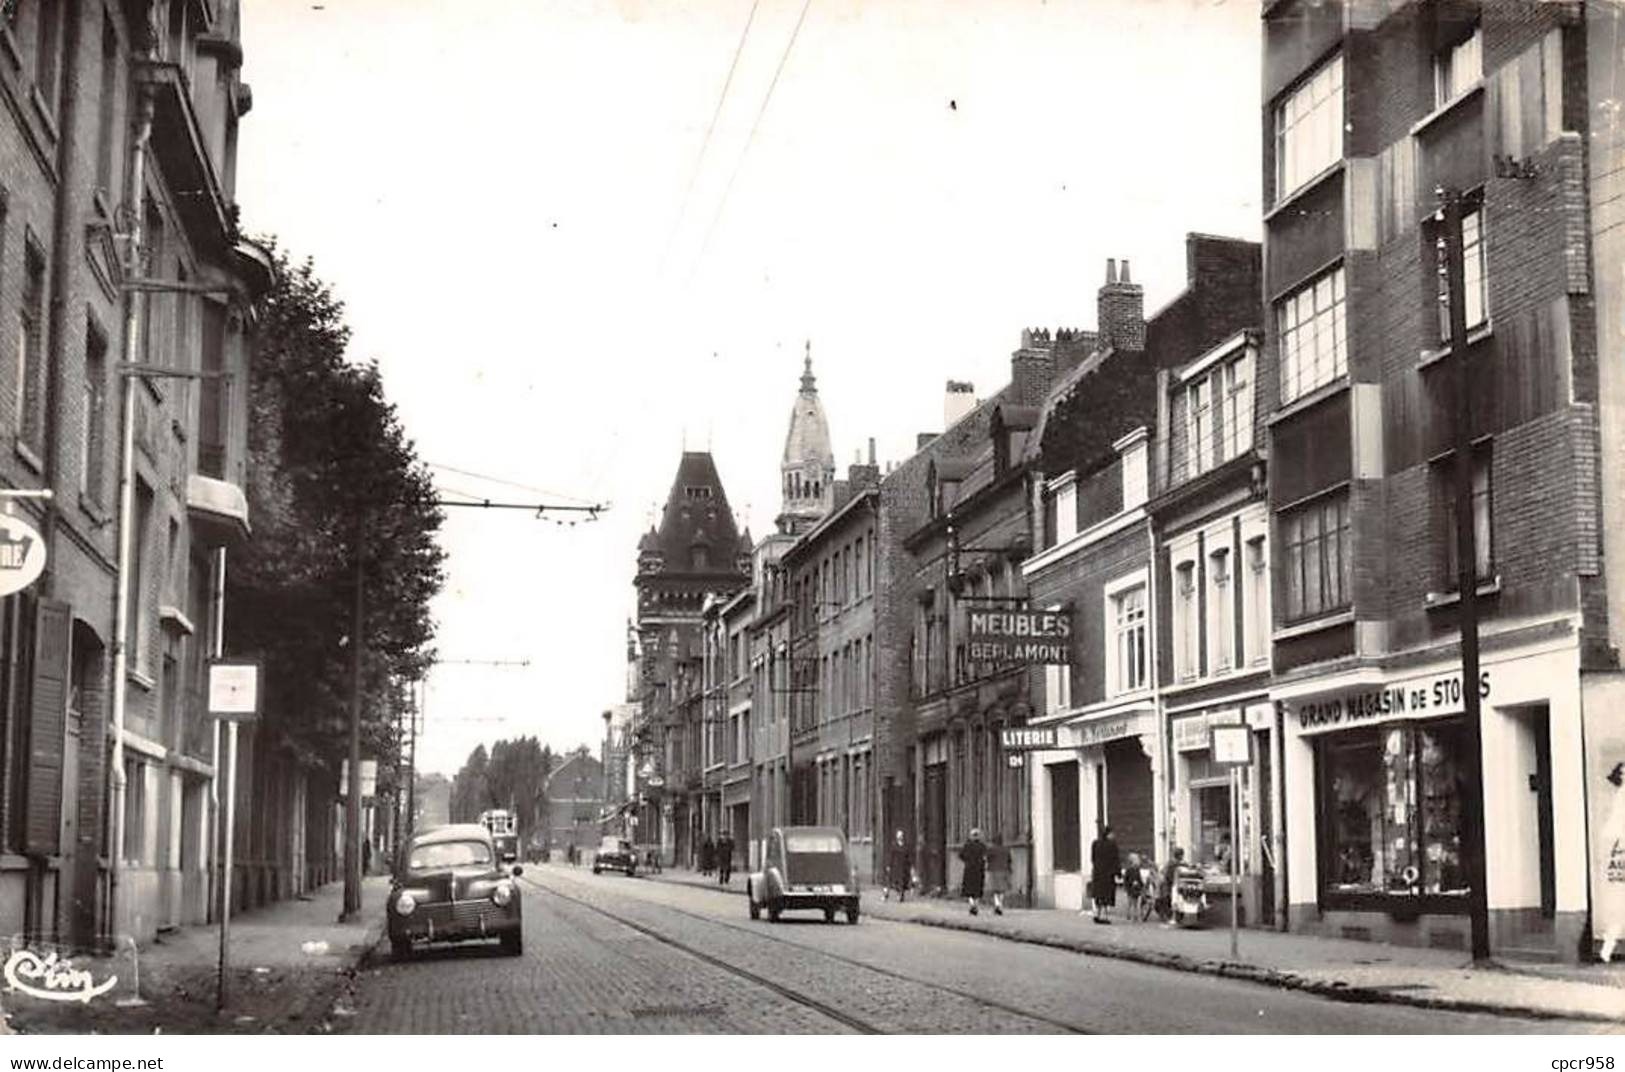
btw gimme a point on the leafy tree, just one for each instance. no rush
(470, 787)
(334, 485)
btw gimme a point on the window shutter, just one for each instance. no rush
(47, 730)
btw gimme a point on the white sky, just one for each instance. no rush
(496, 190)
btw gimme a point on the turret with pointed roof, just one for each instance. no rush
(808, 467)
(696, 548)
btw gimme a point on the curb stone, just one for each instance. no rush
(1333, 989)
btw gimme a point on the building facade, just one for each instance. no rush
(1507, 105)
(118, 247)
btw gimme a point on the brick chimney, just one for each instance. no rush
(860, 476)
(958, 399)
(1120, 310)
(1032, 368)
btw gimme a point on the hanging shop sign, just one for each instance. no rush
(1421, 697)
(22, 554)
(1110, 728)
(1020, 636)
(1230, 745)
(1029, 738)
(1191, 732)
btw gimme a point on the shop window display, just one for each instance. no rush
(1392, 800)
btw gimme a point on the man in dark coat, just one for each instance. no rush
(899, 868)
(725, 858)
(974, 855)
(708, 855)
(1105, 862)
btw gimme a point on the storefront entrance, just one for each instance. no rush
(933, 840)
(1130, 798)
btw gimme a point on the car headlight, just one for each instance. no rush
(502, 894)
(404, 904)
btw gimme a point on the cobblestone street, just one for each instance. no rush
(614, 955)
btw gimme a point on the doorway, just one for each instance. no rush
(934, 842)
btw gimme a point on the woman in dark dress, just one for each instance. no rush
(974, 855)
(1105, 862)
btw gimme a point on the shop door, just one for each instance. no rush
(1130, 807)
(1541, 785)
(1265, 809)
(934, 845)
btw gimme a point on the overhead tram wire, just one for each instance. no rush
(751, 137)
(500, 480)
(705, 143)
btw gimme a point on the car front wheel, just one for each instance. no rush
(852, 915)
(773, 913)
(400, 949)
(755, 909)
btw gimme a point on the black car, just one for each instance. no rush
(451, 886)
(615, 854)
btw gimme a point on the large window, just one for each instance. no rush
(1187, 628)
(31, 351)
(1309, 128)
(1475, 276)
(1200, 401)
(1256, 620)
(1312, 335)
(1458, 68)
(1392, 799)
(1129, 656)
(1316, 553)
(1235, 389)
(1221, 619)
(1483, 532)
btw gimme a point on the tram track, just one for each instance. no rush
(823, 1008)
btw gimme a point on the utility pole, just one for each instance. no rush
(1453, 271)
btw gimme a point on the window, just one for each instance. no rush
(1201, 426)
(1134, 474)
(1315, 540)
(135, 810)
(1309, 128)
(1064, 508)
(137, 580)
(1256, 622)
(93, 418)
(1458, 68)
(1127, 622)
(1187, 659)
(1236, 399)
(31, 350)
(1475, 277)
(106, 150)
(1310, 326)
(1483, 533)
(1392, 797)
(1210, 827)
(1221, 623)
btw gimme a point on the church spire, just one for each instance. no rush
(808, 466)
(809, 383)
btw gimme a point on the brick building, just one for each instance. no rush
(695, 553)
(117, 244)
(575, 799)
(1368, 108)
(1096, 559)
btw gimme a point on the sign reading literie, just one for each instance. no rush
(1020, 636)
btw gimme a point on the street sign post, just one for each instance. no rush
(234, 696)
(1231, 745)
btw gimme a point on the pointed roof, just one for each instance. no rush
(697, 516)
(808, 437)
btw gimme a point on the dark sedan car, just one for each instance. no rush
(806, 867)
(615, 854)
(450, 886)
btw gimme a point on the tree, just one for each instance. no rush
(513, 775)
(332, 482)
(470, 788)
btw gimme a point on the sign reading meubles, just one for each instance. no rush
(1020, 636)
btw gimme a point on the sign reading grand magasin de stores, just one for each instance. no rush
(1422, 697)
(1020, 636)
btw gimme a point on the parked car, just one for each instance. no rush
(805, 867)
(615, 854)
(451, 886)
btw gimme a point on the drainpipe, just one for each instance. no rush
(135, 203)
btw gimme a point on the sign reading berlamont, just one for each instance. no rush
(1020, 636)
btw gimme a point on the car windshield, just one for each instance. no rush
(449, 854)
(800, 844)
(611, 845)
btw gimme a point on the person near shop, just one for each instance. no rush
(974, 857)
(725, 858)
(708, 855)
(998, 873)
(898, 868)
(1105, 861)
(1136, 883)
(1164, 901)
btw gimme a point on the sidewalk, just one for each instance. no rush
(1333, 967)
(288, 962)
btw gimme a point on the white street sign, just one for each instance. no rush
(234, 690)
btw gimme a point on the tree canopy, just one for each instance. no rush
(512, 775)
(334, 484)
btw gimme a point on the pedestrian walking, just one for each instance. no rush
(1136, 887)
(725, 858)
(1105, 862)
(898, 868)
(998, 873)
(708, 855)
(974, 856)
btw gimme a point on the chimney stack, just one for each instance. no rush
(958, 400)
(1120, 310)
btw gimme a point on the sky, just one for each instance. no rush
(573, 254)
